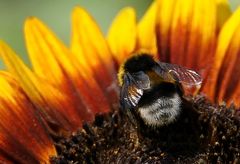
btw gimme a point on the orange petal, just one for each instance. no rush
(23, 139)
(122, 34)
(84, 91)
(186, 32)
(51, 100)
(146, 36)
(226, 72)
(163, 25)
(92, 53)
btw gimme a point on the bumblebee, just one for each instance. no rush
(152, 91)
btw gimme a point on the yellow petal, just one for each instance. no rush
(146, 35)
(71, 78)
(223, 12)
(87, 37)
(53, 102)
(23, 138)
(15, 66)
(92, 53)
(187, 32)
(47, 54)
(225, 74)
(122, 34)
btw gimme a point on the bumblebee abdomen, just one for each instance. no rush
(163, 111)
(160, 106)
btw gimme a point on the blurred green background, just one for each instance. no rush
(56, 14)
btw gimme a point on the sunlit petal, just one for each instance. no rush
(187, 32)
(122, 34)
(92, 53)
(223, 12)
(52, 101)
(23, 138)
(225, 73)
(163, 22)
(146, 36)
(73, 80)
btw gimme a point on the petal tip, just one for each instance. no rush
(128, 10)
(30, 18)
(78, 10)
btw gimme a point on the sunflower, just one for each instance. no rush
(67, 86)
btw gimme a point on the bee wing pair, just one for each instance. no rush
(135, 83)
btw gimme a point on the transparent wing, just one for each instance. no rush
(140, 80)
(132, 89)
(172, 72)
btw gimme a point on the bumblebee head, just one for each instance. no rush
(140, 62)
